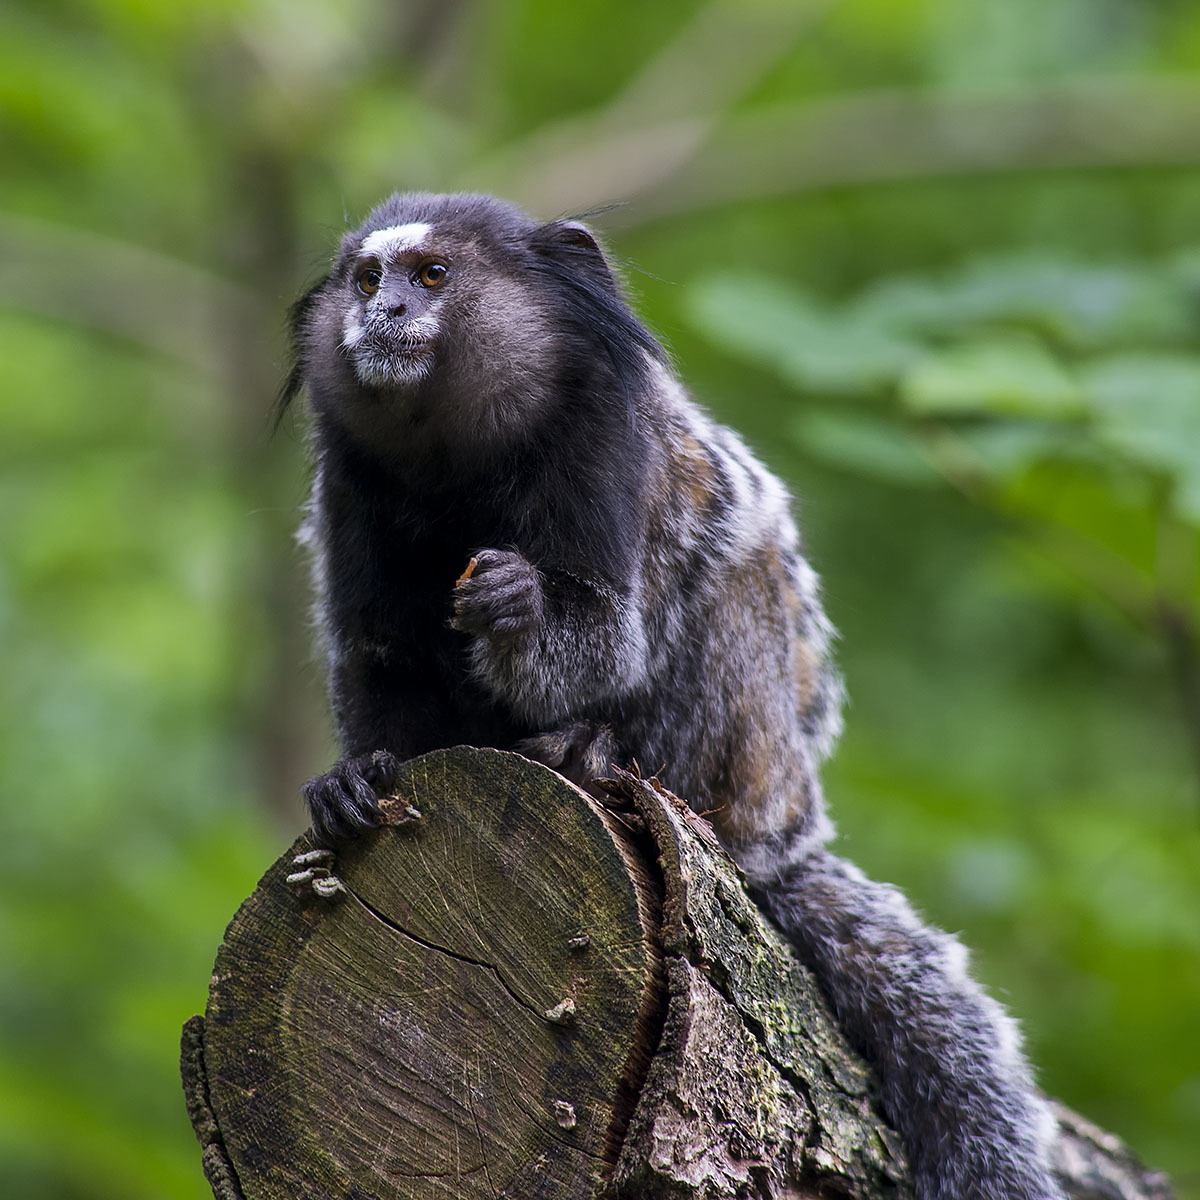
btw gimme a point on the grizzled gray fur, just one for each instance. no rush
(526, 534)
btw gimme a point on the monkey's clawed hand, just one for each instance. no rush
(500, 597)
(345, 800)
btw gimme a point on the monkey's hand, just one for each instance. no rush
(549, 642)
(500, 598)
(345, 801)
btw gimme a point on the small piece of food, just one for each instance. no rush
(467, 573)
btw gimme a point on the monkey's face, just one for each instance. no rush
(430, 330)
(395, 305)
(458, 324)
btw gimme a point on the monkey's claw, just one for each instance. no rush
(501, 598)
(345, 800)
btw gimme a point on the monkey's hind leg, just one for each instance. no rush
(953, 1081)
(581, 752)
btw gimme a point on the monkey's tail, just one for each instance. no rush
(953, 1082)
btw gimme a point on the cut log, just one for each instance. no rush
(515, 990)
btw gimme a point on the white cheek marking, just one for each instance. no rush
(395, 239)
(352, 329)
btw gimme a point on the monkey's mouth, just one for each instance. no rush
(383, 337)
(385, 356)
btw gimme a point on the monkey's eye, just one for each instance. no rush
(368, 280)
(433, 274)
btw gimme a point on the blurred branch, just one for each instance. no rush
(569, 169)
(737, 44)
(907, 135)
(1093, 564)
(113, 287)
(658, 123)
(666, 167)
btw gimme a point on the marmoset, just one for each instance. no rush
(526, 534)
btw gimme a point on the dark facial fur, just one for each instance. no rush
(637, 593)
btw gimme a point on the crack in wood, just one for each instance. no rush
(454, 954)
(548, 1130)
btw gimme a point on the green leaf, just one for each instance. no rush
(866, 445)
(1081, 305)
(1148, 410)
(1005, 449)
(1003, 376)
(810, 345)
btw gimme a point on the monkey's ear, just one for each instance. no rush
(573, 244)
(574, 233)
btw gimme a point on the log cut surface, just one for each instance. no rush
(461, 1019)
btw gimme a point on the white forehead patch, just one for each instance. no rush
(395, 239)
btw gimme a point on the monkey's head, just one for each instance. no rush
(459, 322)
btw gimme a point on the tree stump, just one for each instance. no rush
(515, 990)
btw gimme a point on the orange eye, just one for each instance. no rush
(368, 280)
(433, 274)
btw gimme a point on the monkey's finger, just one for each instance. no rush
(379, 772)
(489, 559)
(496, 599)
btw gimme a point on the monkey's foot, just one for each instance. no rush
(345, 800)
(500, 597)
(581, 752)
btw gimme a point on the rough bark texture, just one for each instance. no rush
(514, 990)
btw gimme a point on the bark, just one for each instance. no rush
(515, 990)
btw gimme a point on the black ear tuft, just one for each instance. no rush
(574, 245)
(588, 302)
(293, 382)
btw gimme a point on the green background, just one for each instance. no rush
(939, 261)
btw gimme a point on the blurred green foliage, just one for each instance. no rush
(938, 259)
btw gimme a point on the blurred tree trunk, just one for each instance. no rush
(515, 990)
(259, 125)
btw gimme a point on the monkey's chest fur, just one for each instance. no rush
(390, 557)
(675, 612)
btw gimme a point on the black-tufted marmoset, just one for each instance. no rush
(482, 394)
